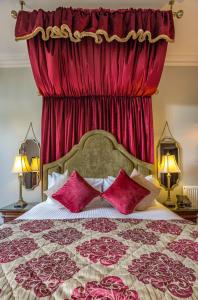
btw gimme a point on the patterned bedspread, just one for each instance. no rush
(108, 259)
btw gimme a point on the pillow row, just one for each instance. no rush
(123, 192)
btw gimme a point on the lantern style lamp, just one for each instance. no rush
(169, 166)
(21, 165)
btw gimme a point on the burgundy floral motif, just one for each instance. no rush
(101, 225)
(139, 235)
(106, 250)
(185, 248)
(36, 226)
(63, 236)
(164, 227)
(164, 273)
(5, 232)
(131, 221)
(109, 288)
(14, 249)
(194, 234)
(46, 273)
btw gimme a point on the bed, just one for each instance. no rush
(50, 253)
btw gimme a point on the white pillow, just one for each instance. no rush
(97, 202)
(54, 178)
(96, 183)
(108, 182)
(56, 182)
(54, 203)
(50, 181)
(146, 183)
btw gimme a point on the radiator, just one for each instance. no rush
(192, 193)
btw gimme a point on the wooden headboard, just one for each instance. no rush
(97, 155)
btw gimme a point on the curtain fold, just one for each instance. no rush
(65, 120)
(62, 68)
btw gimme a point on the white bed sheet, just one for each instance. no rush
(46, 210)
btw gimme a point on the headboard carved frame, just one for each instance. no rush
(97, 155)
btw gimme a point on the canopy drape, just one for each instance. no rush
(62, 68)
(96, 69)
(65, 120)
(100, 24)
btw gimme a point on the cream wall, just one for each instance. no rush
(19, 104)
(177, 103)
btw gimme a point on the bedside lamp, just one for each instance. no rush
(21, 165)
(168, 166)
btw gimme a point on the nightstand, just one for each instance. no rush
(188, 213)
(10, 212)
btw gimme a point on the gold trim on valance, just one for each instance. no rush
(65, 32)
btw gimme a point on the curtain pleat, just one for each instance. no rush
(65, 120)
(62, 68)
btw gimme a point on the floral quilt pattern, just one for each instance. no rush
(4, 233)
(92, 259)
(164, 273)
(106, 250)
(110, 287)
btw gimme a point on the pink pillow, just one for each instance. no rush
(76, 193)
(124, 193)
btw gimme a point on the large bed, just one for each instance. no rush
(99, 253)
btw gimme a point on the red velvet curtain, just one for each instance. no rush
(101, 24)
(114, 71)
(96, 86)
(62, 68)
(65, 120)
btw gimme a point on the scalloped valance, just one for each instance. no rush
(100, 24)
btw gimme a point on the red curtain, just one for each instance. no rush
(100, 24)
(114, 71)
(62, 68)
(88, 85)
(65, 120)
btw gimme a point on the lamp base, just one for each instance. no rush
(169, 203)
(20, 204)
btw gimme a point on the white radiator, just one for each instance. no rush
(192, 193)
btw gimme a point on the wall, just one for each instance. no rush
(177, 103)
(19, 104)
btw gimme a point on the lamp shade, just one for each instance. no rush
(169, 164)
(21, 164)
(35, 164)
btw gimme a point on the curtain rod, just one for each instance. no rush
(177, 14)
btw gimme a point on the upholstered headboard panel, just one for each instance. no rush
(97, 155)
